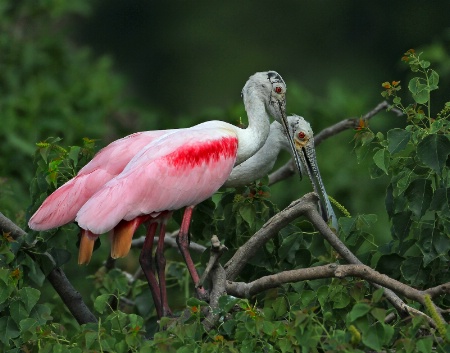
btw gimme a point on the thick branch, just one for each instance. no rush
(8, 226)
(247, 290)
(218, 277)
(269, 230)
(69, 295)
(289, 169)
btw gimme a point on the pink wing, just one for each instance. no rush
(180, 169)
(63, 204)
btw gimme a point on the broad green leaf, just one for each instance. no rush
(433, 80)
(41, 313)
(347, 224)
(288, 247)
(5, 291)
(226, 302)
(340, 299)
(196, 302)
(381, 159)
(389, 265)
(358, 310)
(101, 301)
(376, 337)
(279, 306)
(419, 195)
(90, 338)
(74, 153)
(405, 178)
(413, 272)
(433, 151)
(424, 345)
(8, 329)
(307, 296)
(420, 91)
(30, 297)
(401, 225)
(248, 213)
(18, 311)
(398, 139)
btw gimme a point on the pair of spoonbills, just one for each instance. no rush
(144, 177)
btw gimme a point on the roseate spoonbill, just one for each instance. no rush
(263, 161)
(186, 158)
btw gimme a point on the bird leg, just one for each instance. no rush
(161, 266)
(146, 261)
(183, 245)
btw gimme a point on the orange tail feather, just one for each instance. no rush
(121, 237)
(87, 242)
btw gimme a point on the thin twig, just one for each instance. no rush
(169, 240)
(217, 249)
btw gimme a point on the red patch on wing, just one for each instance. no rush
(204, 152)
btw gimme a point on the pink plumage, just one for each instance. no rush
(63, 204)
(181, 168)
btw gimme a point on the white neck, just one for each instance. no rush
(254, 136)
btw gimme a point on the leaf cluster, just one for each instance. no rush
(415, 159)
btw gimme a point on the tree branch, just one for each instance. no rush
(8, 226)
(69, 295)
(269, 230)
(289, 169)
(170, 240)
(247, 290)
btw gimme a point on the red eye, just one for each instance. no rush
(301, 135)
(278, 89)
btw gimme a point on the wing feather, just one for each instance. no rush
(179, 169)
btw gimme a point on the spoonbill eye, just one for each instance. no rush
(278, 89)
(301, 135)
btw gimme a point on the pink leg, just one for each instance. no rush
(161, 266)
(183, 245)
(146, 261)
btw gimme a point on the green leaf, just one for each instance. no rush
(196, 302)
(420, 91)
(74, 153)
(424, 345)
(358, 310)
(398, 140)
(381, 159)
(433, 151)
(248, 213)
(8, 329)
(18, 311)
(30, 297)
(440, 201)
(226, 302)
(419, 195)
(279, 306)
(101, 301)
(433, 80)
(375, 337)
(413, 272)
(401, 225)
(288, 247)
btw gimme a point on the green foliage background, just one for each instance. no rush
(173, 67)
